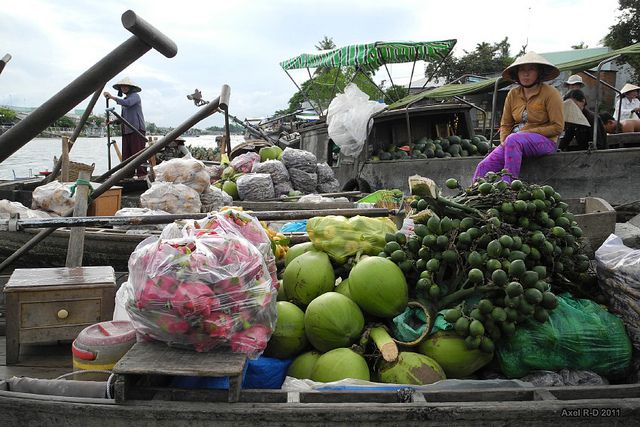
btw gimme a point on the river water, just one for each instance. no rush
(37, 155)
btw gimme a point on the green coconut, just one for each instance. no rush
(288, 338)
(332, 320)
(343, 288)
(297, 250)
(411, 368)
(338, 364)
(231, 189)
(308, 276)
(449, 350)
(282, 295)
(379, 287)
(303, 365)
(270, 153)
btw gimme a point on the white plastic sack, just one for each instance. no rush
(618, 268)
(53, 197)
(172, 198)
(123, 294)
(7, 208)
(139, 212)
(186, 170)
(347, 118)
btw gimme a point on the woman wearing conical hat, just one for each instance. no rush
(532, 118)
(132, 143)
(630, 105)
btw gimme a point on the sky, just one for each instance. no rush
(240, 43)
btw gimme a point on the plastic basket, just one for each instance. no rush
(384, 199)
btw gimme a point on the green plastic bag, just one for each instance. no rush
(579, 334)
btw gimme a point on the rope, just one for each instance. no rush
(80, 181)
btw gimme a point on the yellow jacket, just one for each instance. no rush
(544, 110)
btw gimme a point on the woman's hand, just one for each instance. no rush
(109, 96)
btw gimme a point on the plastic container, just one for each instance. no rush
(100, 346)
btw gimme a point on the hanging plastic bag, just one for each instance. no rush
(348, 118)
(579, 334)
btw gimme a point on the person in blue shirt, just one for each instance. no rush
(132, 142)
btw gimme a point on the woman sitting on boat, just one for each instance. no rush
(532, 118)
(578, 126)
(630, 104)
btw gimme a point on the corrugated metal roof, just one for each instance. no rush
(574, 54)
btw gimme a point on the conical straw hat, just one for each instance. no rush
(628, 88)
(573, 114)
(127, 82)
(574, 79)
(549, 71)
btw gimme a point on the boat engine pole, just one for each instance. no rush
(145, 37)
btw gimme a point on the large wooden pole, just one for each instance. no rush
(75, 249)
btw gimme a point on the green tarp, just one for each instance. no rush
(451, 90)
(373, 55)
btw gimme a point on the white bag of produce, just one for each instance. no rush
(255, 186)
(139, 212)
(172, 198)
(53, 197)
(187, 170)
(348, 117)
(299, 159)
(7, 208)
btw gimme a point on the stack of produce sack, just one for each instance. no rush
(204, 290)
(195, 175)
(53, 197)
(276, 173)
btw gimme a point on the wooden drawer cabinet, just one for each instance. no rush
(52, 304)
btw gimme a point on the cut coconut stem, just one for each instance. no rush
(385, 343)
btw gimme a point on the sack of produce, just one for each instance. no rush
(325, 173)
(202, 292)
(187, 170)
(275, 168)
(255, 186)
(579, 334)
(172, 198)
(228, 222)
(282, 189)
(329, 187)
(139, 212)
(305, 182)
(53, 197)
(7, 208)
(244, 162)
(342, 237)
(215, 171)
(618, 268)
(299, 159)
(213, 199)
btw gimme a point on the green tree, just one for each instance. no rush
(96, 120)
(626, 31)
(151, 127)
(395, 93)
(7, 115)
(485, 60)
(580, 45)
(64, 122)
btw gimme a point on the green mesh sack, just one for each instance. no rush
(579, 334)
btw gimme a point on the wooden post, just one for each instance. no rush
(75, 249)
(117, 149)
(64, 175)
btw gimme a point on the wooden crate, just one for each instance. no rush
(107, 204)
(595, 217)
(55, 304)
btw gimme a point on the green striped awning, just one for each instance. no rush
(451, 90)
(372, 55)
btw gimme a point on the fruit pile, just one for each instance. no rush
(488, 255)
(203, 153)
(426, 148)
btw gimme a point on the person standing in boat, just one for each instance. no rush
(630, 105)
(132, 142)
(532, 118)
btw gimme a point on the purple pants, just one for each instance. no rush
(509, 154)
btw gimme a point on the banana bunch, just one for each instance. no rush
(279, 242)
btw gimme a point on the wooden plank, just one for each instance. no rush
(620, 391)
(75, 250)
(159, 359)
(43, 277)
(13, 329)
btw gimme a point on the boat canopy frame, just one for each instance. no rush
(367, 58)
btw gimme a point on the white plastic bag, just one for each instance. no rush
(347, 118)
(186, 170)
(123, 295)
(172, 198)
(53, 197)
(7, 208)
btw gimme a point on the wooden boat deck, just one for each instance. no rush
(38, 361)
